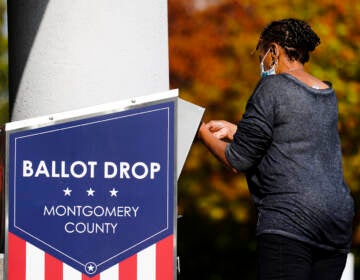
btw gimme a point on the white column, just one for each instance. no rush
(68, 54)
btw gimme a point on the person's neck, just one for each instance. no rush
(293, 66)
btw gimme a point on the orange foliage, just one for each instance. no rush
(211, 63)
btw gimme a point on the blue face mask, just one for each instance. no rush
(263, 72)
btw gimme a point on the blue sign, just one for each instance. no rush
(96, 190)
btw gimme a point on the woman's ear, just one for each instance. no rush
(275, 50)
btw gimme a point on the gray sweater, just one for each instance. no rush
(288, 145)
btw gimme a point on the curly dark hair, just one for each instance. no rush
(294, 35)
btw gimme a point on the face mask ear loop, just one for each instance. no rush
(276, 60)
(271, 71)
(275, 64)
(262, 60)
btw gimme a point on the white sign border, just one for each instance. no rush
(83, 113)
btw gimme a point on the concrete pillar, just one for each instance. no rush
(68, 54)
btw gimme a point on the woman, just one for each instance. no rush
(288, 145)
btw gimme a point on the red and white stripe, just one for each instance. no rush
(27, 262)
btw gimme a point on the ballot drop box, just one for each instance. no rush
(91, 193)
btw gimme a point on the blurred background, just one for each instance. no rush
(211, 62)
(4, 85)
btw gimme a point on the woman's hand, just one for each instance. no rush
(221, 129)
(212, 133)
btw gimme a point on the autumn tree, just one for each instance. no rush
(212, 63)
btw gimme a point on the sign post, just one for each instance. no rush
(92, 193)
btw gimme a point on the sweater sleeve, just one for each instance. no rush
(254, 131)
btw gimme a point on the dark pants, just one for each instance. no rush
(282, 258)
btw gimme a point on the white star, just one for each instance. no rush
(113, 192)
(90, 192)
(90, 268)
(67, 192)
